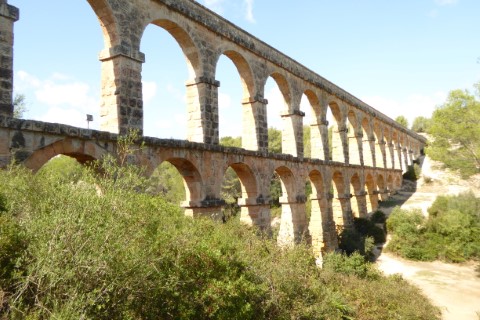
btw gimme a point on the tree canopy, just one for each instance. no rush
(402, 120)
(455, 132)
(421, 124)
(19, 106)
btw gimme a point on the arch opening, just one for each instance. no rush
(336, 127)
(357, 203)
(171, 60)
(277, 94)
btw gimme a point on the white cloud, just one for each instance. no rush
(412, 106)
(59, 98)
(446, 2)
(71, 117)
(215, 5)
(71, 94)
(221, 6)
(149, 90)
(176, 93)
(249, 11)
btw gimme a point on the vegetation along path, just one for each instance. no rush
(455, 288)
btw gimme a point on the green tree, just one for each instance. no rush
(421, 124)
(455, 132)
(402, 120)
(274, 140)
(231, 141)
(168, 182)
(19, 106)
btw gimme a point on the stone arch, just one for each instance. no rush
(340, 202)
(245, 72)
(390, 183)
(281, 112)
(338, 130)
(107, 21)
(356, 202)
(284, 87)
(247, 122)
(379, 145)
(186, 43)
(293, 220)
(372, 195)
(247, 180)
(320, 221)
(368, 151)
(192, 181)
(354, 138)
(381, 186)
(318, 129)
(82, 151)
(389, 163)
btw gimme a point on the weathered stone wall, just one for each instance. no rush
(369, 150)
(8, 15)
(204, 36)
(357, 189)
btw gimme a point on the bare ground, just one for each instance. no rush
(454, 288)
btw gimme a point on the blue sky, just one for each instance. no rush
(401, 57)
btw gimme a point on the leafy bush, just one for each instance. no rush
(368, 228)
(104, 248)
(413, 172)
(353, 264)
(378, 217)
(450, 233)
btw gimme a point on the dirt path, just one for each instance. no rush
(455, 288)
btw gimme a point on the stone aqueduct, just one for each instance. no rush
(370, 151)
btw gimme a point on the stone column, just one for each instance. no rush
(361, 199)
(340, 144)
(398, 153)
(389, 156)
(122, 101)
(411, 156)
(382, 146)
(292, 134)
(355, 147)
(254, 213)
(342, 212)
(372, 201)
(202, 109)
(8, 16)
(211, 208)
(254, 126)
(321, 226)
(367, 153)
(293, 224)
(319, 140)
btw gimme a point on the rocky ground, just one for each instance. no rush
(455, 288)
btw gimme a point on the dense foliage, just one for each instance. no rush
(421, 124)
(455, 132)
(402, 120)
(449, 233)
(102, 246)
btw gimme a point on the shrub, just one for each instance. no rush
(378, 217)
(126, 254)
(450, 233)
(353, 264)
(413, 172)
(368, 228)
